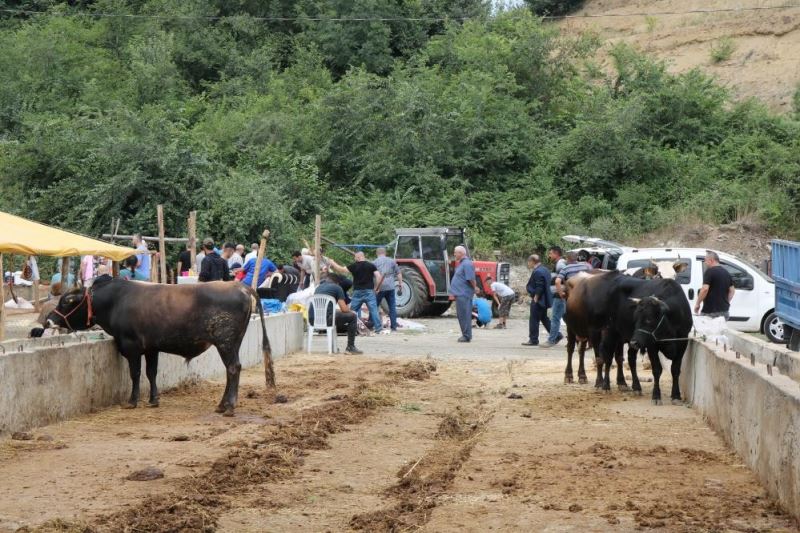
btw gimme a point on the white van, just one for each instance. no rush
(753, 305)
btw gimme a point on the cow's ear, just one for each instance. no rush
(635, 300)
(679, 267)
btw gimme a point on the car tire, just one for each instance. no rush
(414, 300)
(773, 329)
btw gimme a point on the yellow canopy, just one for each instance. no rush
(22, 236)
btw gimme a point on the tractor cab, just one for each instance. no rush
(426, 258)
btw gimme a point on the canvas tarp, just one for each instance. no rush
(22, 236)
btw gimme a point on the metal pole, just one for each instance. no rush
(2, 301)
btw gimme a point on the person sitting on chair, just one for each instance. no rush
(346, 320)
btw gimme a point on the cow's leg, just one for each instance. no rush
(655, 362)
(230, 358)
(151, 358)
(678, 349)
(620, 358)
(636, 386)
(608, 346)
(598, 362)
(135, 367)
(581, 368)
(570, 350)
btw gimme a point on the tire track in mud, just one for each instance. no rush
(422, 483)
(273, 453)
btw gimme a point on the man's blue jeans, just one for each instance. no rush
(367, 296)
(391, 302)
(464, 314)
(559, 306)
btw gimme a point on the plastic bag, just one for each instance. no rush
(712, 328)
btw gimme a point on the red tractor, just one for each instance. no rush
(425, 256)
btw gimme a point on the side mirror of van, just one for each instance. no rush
(746, 284)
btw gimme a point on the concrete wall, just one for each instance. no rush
(47, 381)
(777, 355)
(758, 415)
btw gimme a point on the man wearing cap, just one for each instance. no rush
(214, 267)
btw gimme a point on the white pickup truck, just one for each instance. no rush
(753, 305)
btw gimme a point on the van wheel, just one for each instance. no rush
(773, 329)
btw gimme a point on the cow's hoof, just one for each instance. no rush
(567, 379)
(152, 404)
(219, 409)
(228, 412)
(623, 387)
(657, 401)
(583, 380)
(677, 401)
(129, 405)
(637, 392)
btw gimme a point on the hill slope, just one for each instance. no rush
(765, 60)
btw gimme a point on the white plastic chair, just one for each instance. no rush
(319, 303)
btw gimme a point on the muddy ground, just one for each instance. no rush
(390, 441)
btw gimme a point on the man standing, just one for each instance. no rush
(462, 289)
(503, 296)
(717, 291)
(366, 283)
(214, 268)
(573, 267)
(231, 256)
(541, 299)
(345, 318)
(87, 270)
(559, 305)
(392, 277)
(253, 253)
(185, 261)
(142, 256)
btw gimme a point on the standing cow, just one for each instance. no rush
(185, 320)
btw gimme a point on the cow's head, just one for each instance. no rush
(650, 322)
(74, 311)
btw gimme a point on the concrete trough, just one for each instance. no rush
(45, 382)
(757, 414)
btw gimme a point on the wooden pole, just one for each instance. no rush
(145, 237)
(262, 249)
(162, 249)
(2, 301)
(317, 247)
(115, 269)
(64, 274)
(193, 238)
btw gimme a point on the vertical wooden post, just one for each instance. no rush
(2, 301)
(193, 239)
(262, 249)
(64, 274)
(162, 252)
(115, 269)
(317, 245)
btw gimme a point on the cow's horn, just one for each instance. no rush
(635, 300)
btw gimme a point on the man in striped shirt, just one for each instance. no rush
(573, 267)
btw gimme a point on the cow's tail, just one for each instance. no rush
(269, 370)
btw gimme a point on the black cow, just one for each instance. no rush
(185, 320)
(651, 315)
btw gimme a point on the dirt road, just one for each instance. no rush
(383, 442)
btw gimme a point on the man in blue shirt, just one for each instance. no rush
(249, 268)
(462, 289)
(482, 311)
(142, 257)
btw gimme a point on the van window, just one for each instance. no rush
(742, 280)
(684, 278)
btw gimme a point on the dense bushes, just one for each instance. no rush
(498, 123)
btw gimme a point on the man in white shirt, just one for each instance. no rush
(503, 296)
(253, 253)
(87, 270)
(305, 264)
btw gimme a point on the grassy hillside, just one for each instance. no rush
(265, 113)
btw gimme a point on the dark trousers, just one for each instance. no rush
(538, 316)
(391, 303)
(464, 314)
(346, 323)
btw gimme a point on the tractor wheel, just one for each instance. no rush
(413, 302)
(438, 309)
